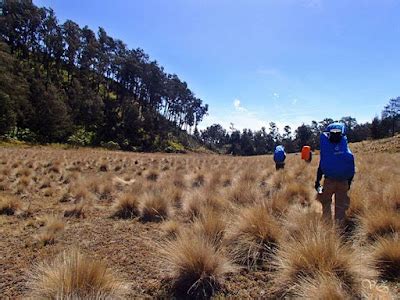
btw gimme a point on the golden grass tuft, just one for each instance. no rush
(210, 225)
(171, 229)
(386, 257)
(321, 287)
(73, 275)
(379, 222)
(197, 268)
(53, 227)
(77, 211)
(318, 251)
(155, 207)
(243, 193)
(253, 237)
(126, 206)
(9, 205)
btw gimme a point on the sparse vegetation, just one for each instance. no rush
(209, 216)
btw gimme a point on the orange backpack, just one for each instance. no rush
(306, 153)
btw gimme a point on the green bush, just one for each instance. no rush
(81, 137)
(174, 147)
(22, 134)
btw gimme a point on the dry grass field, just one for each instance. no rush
(98, 224)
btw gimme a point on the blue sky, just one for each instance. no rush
(256, 61)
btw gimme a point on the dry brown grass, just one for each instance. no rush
(127, 206)
(386, 255)
(73, 275)
(215, 210)
(155, 207)
(210, 225)
(379, 223)
(321, 287)
(314, 252)
(53, 226)
(76, 211)
(253, 237)
(197, 269)
(9, 205)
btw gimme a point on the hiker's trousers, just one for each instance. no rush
(342, 201)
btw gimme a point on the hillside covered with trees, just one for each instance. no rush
(67, 84)
(64, 83)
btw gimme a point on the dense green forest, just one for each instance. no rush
(63, 83)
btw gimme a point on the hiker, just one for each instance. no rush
(279, 157)
(306, 153)
(337, 165)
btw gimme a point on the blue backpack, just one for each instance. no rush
(337, 161)
(279, 154)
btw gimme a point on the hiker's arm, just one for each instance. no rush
(350, 180)
(319, 177)
(319, 174)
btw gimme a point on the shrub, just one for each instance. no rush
(82, 137)
(73, 275)
(174, 147)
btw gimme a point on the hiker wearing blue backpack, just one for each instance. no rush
(279, 157)
(337, 166)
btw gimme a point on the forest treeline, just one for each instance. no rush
(248, 142)
(64, 83)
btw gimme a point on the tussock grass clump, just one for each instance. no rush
(9, 205)
(254, 236)
(198, 180)
(243, 193)
(296, 193)
(171, 229)
(197, 268)
(379, 223)
(386, 256)
(314, 252)
(77, 211)
(126, 207)
(73, 275)
(53, 227)
(321, 287)
(155, 207)
(210, 225)
(152, 175)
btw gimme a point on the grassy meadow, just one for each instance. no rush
(100, 224)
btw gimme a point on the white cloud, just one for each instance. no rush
(276, 95)
(294, 101)
(237, 105)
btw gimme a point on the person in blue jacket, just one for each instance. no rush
(337, 166)
(279, 157)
